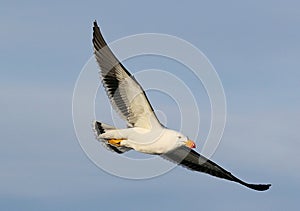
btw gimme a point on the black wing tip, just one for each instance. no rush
(259, 187)
(97, 39)
(96, 27)
(95, 23)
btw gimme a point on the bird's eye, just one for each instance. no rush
(179, 137)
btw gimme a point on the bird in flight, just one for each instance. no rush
(145, 133)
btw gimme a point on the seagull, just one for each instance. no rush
(144, 132)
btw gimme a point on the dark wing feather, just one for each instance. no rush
(126, 95)
(194, 161)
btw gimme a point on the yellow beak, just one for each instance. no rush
(190, 144)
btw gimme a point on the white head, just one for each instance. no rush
(182, 140)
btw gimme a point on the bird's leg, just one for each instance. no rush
(115, 142)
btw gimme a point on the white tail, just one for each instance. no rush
(100, 128)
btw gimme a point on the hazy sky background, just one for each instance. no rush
(255, 48)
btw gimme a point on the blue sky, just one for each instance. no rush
(254, 46)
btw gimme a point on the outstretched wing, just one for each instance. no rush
(194, 161)
(126, 95)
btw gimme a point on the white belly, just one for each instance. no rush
(143, 140)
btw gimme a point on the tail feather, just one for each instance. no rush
(100, 128)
